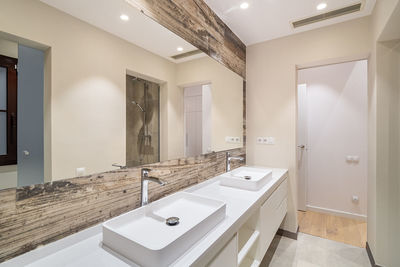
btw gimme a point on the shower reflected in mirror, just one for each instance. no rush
(142, 121)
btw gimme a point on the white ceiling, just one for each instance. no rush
(269, 19)
(139, 30)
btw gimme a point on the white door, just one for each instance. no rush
(302, 145)
(193, 120)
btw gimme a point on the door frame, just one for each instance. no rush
(302, 153)
(308, 65)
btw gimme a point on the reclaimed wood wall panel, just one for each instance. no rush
(195, 22)
(36, 215)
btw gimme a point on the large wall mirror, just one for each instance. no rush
(91, 86)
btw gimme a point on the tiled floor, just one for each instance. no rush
(312, 251)
(346, 230)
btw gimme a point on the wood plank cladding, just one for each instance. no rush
(195, 22)
(36, 215)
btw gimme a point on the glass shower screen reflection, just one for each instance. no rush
(142, 121)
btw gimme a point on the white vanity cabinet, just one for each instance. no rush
(272, 212)
(227, 256)
(251, 242)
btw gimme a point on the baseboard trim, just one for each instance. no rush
(370, 256)
(288, 234)
(338, 213)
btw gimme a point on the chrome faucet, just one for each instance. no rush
(119, 166)
(228, 161)
(145, 178)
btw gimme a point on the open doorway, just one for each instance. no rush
(332, 151)
(197, 119)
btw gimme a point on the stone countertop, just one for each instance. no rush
(84, 248)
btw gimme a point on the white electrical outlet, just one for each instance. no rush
(355, 199)
(265, 140)
(232, 139)
(353, 159)
(80, 171)
(270, 141)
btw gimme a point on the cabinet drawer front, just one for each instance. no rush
(281, 212)
(272, 213)
(277, 197)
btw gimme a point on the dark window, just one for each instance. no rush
(8, 110)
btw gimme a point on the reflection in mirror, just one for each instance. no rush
(95, 92)
(142, 121)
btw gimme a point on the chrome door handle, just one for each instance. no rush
(301, 146)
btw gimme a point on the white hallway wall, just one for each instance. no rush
(337, 100)
(271, 91)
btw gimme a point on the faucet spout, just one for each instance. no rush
(145, 178)
(229, 158)
(156, 180)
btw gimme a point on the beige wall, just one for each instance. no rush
(85, 118)
(8, 176)
(88, 68)
(8, 48)
(382, 206)
(271, 90)
(388, 153)
(226, 94)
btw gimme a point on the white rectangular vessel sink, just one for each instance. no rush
(248, 178)
(143, 236)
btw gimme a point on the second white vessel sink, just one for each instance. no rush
(247, 178)
(144, 236)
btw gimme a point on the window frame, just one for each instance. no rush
(11, 112)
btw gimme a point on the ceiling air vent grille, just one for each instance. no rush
(327, 15)
(187, 54)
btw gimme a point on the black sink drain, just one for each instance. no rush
(172, 221)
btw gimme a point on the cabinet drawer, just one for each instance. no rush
(277, 197)
(272, 213)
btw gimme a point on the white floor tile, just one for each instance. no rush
(312, 251)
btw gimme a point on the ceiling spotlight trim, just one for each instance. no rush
(322, 6)
(244, 5)
(124, 17)
(327, 15)
(187, 54)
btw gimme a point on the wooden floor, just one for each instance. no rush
(345, 230)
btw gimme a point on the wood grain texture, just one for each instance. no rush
(195, 22)
(36, 215)
(345, 230)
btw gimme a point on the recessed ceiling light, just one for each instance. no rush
(179, 49)
(244, 5)
(124, 17)
(321, 6)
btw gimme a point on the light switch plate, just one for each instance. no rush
(232, 139)
(265, 140)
